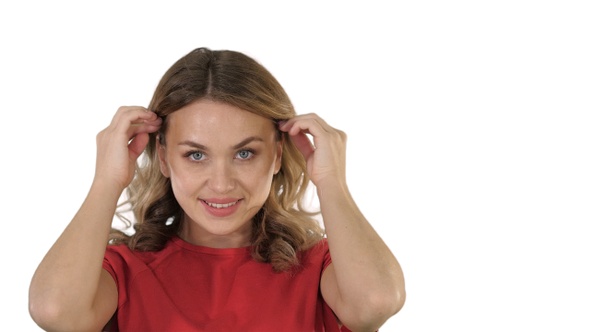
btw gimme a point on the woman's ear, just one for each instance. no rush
(279, 158)
(162, 158)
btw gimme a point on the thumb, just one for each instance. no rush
(137, 145)
(303, 144)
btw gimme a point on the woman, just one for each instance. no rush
(221, 239)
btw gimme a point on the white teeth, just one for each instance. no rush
(220, 206)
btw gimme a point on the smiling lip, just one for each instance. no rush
(221, 207)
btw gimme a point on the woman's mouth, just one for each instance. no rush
(221, 206)
(221, 209)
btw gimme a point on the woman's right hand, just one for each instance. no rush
(122, 142)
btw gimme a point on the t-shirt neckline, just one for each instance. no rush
(210, 250)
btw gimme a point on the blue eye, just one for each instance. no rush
(196, 155)
(245, 154)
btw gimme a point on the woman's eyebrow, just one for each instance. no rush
(193, 145)
(243, 143)
(247, 141)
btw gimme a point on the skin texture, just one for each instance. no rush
(364, 285)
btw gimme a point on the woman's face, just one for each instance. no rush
(220, 160)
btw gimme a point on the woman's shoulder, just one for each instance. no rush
(123, 254)
(317, 253)
(318, 246)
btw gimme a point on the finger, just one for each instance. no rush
(310, 119)
(151, 120)
(128, 115)
(137, 145)
(133, 120)
(126, 111)
(147, 126)
(309, 125)
(303, 144)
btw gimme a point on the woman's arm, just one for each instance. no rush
(364, 285)
(69, 290)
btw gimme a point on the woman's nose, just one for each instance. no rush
(221, 179)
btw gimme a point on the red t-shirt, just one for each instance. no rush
(185, 287)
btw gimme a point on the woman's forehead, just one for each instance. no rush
(209, 119)
(214, 111)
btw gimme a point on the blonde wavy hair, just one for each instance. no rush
(283, 227)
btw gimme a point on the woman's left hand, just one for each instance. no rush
(326, 155)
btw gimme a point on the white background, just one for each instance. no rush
(467, 124)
